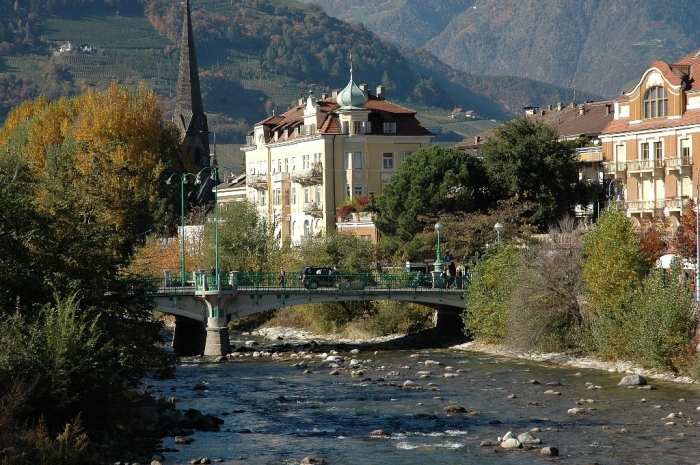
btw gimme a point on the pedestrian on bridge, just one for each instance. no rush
(282, 275)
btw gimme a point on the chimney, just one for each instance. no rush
(380, 92)
(542, 113)
(607, 108)
(581, 110)
(301, 100)
(477, 139)
(559, 107)
(549, 107)
(364, 88)
(324, 96)
(334, 94)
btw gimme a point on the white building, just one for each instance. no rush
(302, 165)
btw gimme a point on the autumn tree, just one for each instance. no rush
(685, 238)
(615, 263)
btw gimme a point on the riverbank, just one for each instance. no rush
(431, 339)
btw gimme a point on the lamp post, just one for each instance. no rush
(214, 170)
(610, 186)
(183, 181)
(438, 261)
(498, 227)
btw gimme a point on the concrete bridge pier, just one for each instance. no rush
(448, 320)
(217, 340)
(188, 336)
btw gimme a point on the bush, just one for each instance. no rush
(394, 317)
(544, 310)
(489, 294)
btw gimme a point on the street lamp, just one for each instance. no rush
(214, 170)
(610, 187)
(183, 181)
(498, 227)
(438, 261)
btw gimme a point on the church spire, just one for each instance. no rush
(189, 111)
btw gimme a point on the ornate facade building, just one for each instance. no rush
(301, 166)
(652, 146)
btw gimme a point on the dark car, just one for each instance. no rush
(313, 277)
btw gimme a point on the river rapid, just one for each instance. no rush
(282, 408)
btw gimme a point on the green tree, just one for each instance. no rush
(432, 181)
(489, 294)
(615, 264)
(526, 159)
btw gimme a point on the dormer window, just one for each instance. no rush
(655, 103)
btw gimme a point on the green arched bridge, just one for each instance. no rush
(204, 305)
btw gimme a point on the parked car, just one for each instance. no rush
(312, 277)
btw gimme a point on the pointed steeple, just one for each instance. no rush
(189, 111)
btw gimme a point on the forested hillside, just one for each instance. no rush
(592, 45)
(255, 56)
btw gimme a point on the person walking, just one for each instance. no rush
(281, 276)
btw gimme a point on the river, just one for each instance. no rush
(277, 413)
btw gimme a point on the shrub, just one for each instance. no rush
(393, 317)
(488, 295)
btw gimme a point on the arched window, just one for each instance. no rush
(655, 103)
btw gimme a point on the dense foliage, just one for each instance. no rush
(615, 263)
(526, 159)
(84, 180)
(431, 181)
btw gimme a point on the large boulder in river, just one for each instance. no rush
(633, 380)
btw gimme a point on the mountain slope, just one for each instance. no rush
(594, 45)
(255, 58)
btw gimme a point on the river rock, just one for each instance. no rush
(633, 380)
(575, 411)
(200, 461)
(551, 392)
(379, 433)
(311, 460)
(355, 351)
(183, 440)
(511, 443)
(528, 438)
(550, 451)
(432, 362)
(409, 384)
(454, 409)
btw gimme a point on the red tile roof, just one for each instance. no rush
(690, 117)
(381, 111)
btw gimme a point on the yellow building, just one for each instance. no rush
(649, 147)
(302, 165)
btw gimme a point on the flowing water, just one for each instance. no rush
(275, 413)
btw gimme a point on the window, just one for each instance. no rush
(346, 127)
(318, 193)
(286, 165)
(658, 152)
(307, 194)
(307, 228)
(655, 102)
(263, 195)
(358, 189)
(347, 191)
(685, 150)
(368, 127)
(357, 160)
(286, 196)
(645, 150)
(294, 196)
(293, 164)
(389, 128)
(276, 196)
(348, 160)
(388, 161)
(359, 127)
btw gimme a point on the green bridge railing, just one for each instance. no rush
(243, 281)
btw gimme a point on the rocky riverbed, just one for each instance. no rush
(285, 396)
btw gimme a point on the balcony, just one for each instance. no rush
(642, 206)
(640, 166)
(256, 181)
(590, 154)
(280, 177)
(313, 175)
(677, 204)
(612, 167)
(678, 163)
(355, 217)
(313, 208)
